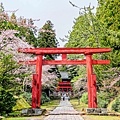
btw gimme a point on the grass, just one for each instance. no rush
(96, 117)
(82, 106)
(23, 118)
(48, 106)
(78, 106)
(54, 103)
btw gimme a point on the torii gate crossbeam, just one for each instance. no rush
(91, 77)
(65, 62)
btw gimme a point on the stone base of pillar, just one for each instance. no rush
(32, 112)
(96, 110)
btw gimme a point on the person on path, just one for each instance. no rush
(64, 97)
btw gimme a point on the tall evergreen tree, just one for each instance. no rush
(108, 15)
(86, 30)
(47, 36)
(99, 30)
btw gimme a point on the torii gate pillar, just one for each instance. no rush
(36, 83)
(91, 83)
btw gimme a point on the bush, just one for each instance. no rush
(28, 97)
(84, 98)
(44, 98)
(116, 105)
(7, 101)
(103, 99)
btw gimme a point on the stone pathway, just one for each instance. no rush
(64, 111)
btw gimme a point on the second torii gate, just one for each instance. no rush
(91, 77)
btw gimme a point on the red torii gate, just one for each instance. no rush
(91, 77)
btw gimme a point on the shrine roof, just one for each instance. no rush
(64, 75)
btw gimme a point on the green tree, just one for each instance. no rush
(47, 36)
(107, 12)
(99, 30)
(10, 77)
(108, 15)
(8, 74)
(7, 101)
(8, 84)
(86, 30)
(25, 29)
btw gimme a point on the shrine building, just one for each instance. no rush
(64, 86)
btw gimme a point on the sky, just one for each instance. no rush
(60, 12)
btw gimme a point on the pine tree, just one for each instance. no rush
(108, 15)
(47, 36)
(86, 30)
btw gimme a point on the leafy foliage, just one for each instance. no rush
(86, 30)
(25, 32)
(28, 97)
(44, 98)
(111, 16)
(99, 30)
(8, 83)
(8, 73)
(103, 99)
(10, 77)
(116, 105)
(111, 23)
(25, 27)
(84, 98)
(7, 101)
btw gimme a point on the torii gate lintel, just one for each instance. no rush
(91, 77)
